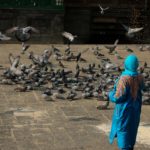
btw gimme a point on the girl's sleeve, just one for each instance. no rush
(118, 94)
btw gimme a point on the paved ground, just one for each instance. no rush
(27, 122)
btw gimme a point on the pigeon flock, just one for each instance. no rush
(57, 81)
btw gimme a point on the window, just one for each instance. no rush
(59, 2)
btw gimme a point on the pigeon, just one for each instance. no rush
(141, 47)
(119, 69)
(102, 9)
(78, 57)
(40, 60)
(70, 37)
(77, 67)
(117, 55)
(61, 64)
(68, 53)
(113, 47)
(146, 100)
(24, 47)
(11, 58)
(77, 73)
(55, 49)
(141, 69)
(21, 89)
(68, 49)
(109, 65)
(104, 106)
(147, 47)
(86, 94)
(23, 34)
(71, 95)
(129, 49)
(131, 31)
(7, 82)
(14, 61)
(3, 37)
(145, 64)
(61, 90)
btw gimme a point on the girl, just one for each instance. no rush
(128, 99)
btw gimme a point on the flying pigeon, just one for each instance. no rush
(23, 35)
(102, 9)
(131, 31)
(70, 37)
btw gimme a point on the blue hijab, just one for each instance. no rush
(131, 64)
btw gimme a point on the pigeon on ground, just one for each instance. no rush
(113, 47)
(61, 64)
(145, 64)
(104, 106)
(78, 57)
(117, 55)
(128, 49)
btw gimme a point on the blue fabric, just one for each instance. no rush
(126, 116)
(130, 73)
(131, 63)
(127, 148)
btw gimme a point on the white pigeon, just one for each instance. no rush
(102, 9)
(132, 31)
(109, 65)
(69, 36)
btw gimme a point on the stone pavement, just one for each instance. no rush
(27, 122)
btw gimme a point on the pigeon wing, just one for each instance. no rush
(100, 7)
(16, 62)
(11, 58)
(3, 37)
(107, 46)
(116, 42)
(34, 30)
(29, 28)
(137, 29)
(11, 30)
(126, 27)
(106, 8)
